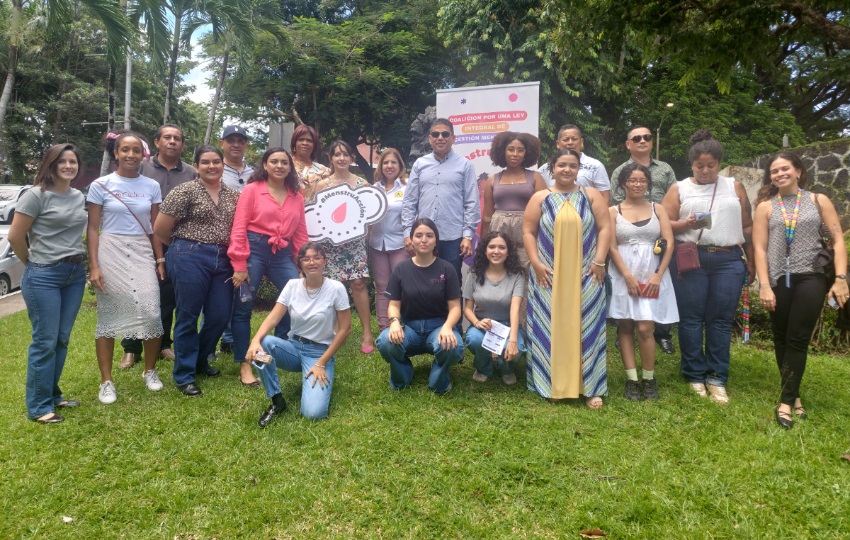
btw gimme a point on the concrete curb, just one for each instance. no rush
(11, 303)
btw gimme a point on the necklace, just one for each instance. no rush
(790, 229)
(315, 291)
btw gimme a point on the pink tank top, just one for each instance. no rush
(512, 197)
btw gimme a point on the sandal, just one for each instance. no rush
(594, 402)
(801, 412)
(53, 419)
(254, 384)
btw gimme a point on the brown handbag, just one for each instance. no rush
(687, 254)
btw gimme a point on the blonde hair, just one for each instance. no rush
(379, 168)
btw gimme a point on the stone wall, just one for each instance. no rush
(828, 167)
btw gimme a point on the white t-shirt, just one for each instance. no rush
(591, 173)
(139, 194)
(314, 318)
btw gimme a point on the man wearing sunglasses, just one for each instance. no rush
(639, 144)
(443, 187)
(591, 172)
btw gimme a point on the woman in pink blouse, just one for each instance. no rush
(268, 229)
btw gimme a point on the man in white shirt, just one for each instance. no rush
(591, 171)
(234, 144)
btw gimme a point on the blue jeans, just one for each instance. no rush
(279, 268)
(483, 361)
(707, 300)
(420, 337)
(201, 275)
(53, 293)
(449, 251)
(292, 355)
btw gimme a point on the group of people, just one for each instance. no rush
(561, 251)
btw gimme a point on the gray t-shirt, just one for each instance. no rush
(59, 220)
(236, 179)
(167, 179)
(493, 299)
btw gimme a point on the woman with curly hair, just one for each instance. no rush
(268, 230)
(506, 193)
(494, 293)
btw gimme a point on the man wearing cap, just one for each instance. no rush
(591, 172)
(234, 144)
(169, 171)
(639, 144)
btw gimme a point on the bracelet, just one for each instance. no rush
(160, 260)
(395, 319)
(601, 265)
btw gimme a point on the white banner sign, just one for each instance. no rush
(478, 113)
(342, 213)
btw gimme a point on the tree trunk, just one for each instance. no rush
(222, 73)
(4, 107)
(107, 159)
(172, 66)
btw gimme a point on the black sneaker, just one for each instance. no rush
(666, 346)
(632, 391)
(649, 388)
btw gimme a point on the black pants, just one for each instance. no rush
(662, 331)
(167, 303)
(797, 312)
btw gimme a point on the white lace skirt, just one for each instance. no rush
(128, 305)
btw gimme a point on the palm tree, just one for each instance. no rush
(183, 12)
(234, 27)
(59, 12)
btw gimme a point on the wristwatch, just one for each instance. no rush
(842, 276)
(395, 319)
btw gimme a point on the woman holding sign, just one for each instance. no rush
(347, 261)
(787, 241)
(641, 289)
(494, 293)
(268, 229)
(712, 212)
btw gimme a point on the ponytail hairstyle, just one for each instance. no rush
(767, 189)
(112, 140)
(47, 171)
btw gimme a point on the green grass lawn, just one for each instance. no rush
(484, 461)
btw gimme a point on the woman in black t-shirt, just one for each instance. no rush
(424, 295)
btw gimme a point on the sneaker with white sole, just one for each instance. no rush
(107, 394)
(152, 380)
(479, 377)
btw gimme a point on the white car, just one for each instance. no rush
(11, 268)
(9, 195)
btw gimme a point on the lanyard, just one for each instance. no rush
(790, 229)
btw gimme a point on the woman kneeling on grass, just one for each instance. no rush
(494, 292)
(424, 292)
(316, 305)
(642, 291)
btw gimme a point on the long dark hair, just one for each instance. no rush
(431, 225)
(767, 189)
(291, 181)
(46, 175)
(480, 262)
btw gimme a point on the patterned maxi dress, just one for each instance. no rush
(570, 361)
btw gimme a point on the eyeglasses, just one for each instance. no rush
(637, 138)
(637, 181)
(308, 260)
(443, 134)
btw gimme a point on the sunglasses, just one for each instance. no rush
(637, 138)
(443, 134)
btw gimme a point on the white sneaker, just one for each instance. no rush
(718, 394)
(107, 394)
(152, 380)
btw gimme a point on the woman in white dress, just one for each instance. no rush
(642, 291)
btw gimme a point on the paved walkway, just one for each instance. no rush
(11, 303)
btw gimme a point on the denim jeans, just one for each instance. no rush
(292, 355)
(483, 361)
(449, 251)
(53, 294)
(279, 268)
(420, 337)
(707, 300)
(201, 275)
